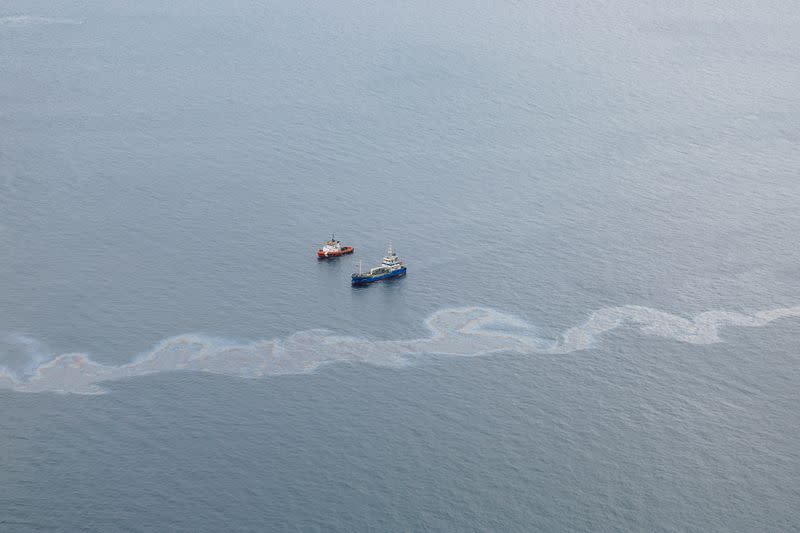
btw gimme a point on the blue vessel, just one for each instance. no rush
(391, 267)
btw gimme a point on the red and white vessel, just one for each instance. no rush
(333, 248)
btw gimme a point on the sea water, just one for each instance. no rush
(597, 204)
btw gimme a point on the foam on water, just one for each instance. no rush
(464, 332)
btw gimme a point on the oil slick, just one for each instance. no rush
(462, 332)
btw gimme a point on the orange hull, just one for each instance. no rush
(344, 251)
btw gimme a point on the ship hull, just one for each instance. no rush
(366, 280)
(327, 255)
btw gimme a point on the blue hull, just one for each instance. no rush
(364, 280)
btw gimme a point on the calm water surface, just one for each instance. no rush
(598, 206)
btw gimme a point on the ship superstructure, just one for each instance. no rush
(333, 248)
(391, 267)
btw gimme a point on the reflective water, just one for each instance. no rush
(597, 205)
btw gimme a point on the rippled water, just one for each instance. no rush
(598, 206)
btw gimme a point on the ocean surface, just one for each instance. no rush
(598, 204)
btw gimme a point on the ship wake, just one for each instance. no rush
(464, 332)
